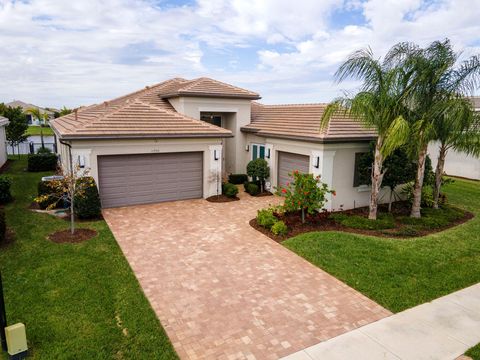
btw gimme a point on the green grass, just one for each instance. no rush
(399, 273)
(474, 352)
(35, 130)
(71, 296)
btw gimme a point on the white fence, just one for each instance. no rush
(32, 144)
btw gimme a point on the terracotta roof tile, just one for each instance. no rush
(303, 121)
(143, 113)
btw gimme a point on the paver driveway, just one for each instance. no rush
(222, 290)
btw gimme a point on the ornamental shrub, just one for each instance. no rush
(44, 150)
(229, 190)
(42, 162)
(5, 194)
(258, 170)
(87, 205)
(306, 194)
(252, 188)
(237, 179)
(265, 218)
(279, 228)
(48, 194)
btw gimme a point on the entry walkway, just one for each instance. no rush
(442, 329)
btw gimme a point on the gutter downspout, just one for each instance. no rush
(72, 215)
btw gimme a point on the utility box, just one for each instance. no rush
(16, 341)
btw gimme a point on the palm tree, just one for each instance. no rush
(434, 81)
(458, 128)
(378, 105)
(40, 116)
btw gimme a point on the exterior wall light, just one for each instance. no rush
(268, 153)
(247, 148)
(81, 161)
(215, 156)
(317, 163)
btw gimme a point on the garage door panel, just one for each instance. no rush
(148, 178)
(289, 162)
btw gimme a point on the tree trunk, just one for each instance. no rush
(417, 188)
(377, 177)
(303, 216)
(72, 218)
(41, 137)
(438, 175)
(390, 201)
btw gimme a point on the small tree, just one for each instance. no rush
(72, 186)
(40, 116)
(306, 193)
(16, 129)
(258, 170)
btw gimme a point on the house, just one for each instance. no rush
(177, 139)
(3, 140)
(458, 163)
(32, 120)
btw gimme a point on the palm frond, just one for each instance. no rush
(397, 135)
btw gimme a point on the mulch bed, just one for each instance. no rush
(65, 236)
(221, 199)
(5, 166)
(323, 222)
(262, 194)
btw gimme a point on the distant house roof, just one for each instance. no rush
(476, 102)
(25, 106)
(3, 121)
(209, 88)
(302, 121)
(144, 113)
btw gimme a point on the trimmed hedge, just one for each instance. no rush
(88, 205)
(42, 162)
(3, 227)
(237, 179)
(266, 218)
(5, 194)
(252, 188)
(229, 190)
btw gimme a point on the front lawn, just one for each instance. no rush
(36, 130)
(399, 273)
(80, 300)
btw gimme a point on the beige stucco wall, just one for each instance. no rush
(91, 149)
(3, 149)
(236, 115)
(456, 163)
(336, 166)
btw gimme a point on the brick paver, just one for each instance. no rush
(222, 290)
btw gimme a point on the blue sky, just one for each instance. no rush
(59, 53)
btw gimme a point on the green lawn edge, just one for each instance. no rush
(402, 273)
(474, 352)
(36, 130)
(75, 299)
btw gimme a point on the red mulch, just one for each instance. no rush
(323, 222)
(221, 199)
(265, 193)
(65, 236)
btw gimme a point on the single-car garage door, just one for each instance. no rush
(149, 178)
(287, 163)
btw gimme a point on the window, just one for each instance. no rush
(212, 119)
(258, 151)
(362, 169)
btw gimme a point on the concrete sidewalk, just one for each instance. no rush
(442, 329)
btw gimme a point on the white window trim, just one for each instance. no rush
(258, 147)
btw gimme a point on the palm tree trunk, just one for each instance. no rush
(438, 174)
(41, 137)
(390, 201)
(417, 188)
(377, 177)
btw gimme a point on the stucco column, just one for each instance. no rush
(327, 174)
(269, 157)
(214, 171)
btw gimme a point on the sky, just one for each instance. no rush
(69, 53)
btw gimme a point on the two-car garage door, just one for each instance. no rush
(149, 178)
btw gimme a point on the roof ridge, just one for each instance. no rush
(294, 104)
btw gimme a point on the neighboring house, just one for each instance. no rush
(176, 140)
(30, 118)
(3, 140)
(458, 163)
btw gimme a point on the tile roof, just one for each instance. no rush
(25, 106)
(302, 121)
(210, 88)
(143, 113)
(476, 102)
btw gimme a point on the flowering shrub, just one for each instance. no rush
(306, 193)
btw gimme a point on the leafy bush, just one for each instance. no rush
(258, 170)
(44, 150)
(266, 218)
(427, 195)
(279, 228)
(87, 204)
(237, 179)
(3, 227)
(434, 218)
(5, 194)
(48, 194)
(252, 188)
(229, 190)
(384, 221)
(305, 193)
(42, 162)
